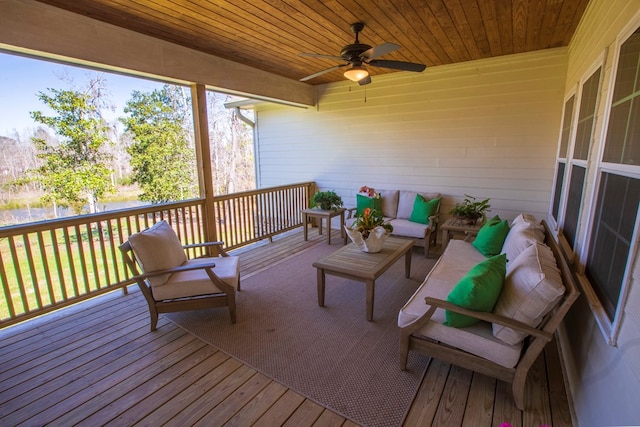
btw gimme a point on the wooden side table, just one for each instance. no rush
(327, 214)
(454, 226)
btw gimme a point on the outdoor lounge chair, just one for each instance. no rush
(170, 282)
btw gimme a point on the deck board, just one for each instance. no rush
(96, 363)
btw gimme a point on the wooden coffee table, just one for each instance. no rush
(352, 263)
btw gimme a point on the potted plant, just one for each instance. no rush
(471, 210)
(369, 231)
(326, 200)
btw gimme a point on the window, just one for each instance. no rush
(584, 136)
(567, 120)
(616, 208)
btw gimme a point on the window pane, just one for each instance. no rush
(616, 213)
(576, 186)
(586, 116)
(616, 133)
(566, 127)
(558, 190)
(627, 76)
(622, 145)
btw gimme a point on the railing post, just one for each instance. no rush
(203, 156)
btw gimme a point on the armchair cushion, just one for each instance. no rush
(157, 248)
(478, 290)
(533, 286)
(423, 209)
(197, 282)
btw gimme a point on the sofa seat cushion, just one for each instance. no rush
(476, 339)
(197, 282)
(406, 228)
(458, 258)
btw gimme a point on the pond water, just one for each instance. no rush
(24, 215)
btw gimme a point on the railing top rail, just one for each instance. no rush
(12, 230)
(262, 190)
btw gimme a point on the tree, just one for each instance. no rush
(74, 170)
(162, 152)
(231, 143)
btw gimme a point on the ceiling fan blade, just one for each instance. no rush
(398, 65)
(379, 50)
(365, 81)
(319, 73)
(319, 55)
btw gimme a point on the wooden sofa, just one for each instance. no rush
(476, 347)
(397, 206)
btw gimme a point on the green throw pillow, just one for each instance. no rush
(478, 290)
(491, 236)
(363, 202)
(423, 209)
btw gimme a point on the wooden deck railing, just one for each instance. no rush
(51, 264)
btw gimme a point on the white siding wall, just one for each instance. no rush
(487, 128)
(604, 380)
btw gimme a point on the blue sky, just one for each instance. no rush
(21, 78)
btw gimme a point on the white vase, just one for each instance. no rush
(371, 244)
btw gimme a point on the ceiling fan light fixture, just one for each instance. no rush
(356, 73)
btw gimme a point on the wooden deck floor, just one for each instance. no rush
(96, 363)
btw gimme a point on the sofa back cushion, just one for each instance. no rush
(522, 235)
(157, 248)
(389, 199)
(533, 286)
(406, 200)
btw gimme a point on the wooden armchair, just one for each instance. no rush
(170, 282)
(415, 337)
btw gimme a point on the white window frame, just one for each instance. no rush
(576, 247)
(609, 328)
(555, 223)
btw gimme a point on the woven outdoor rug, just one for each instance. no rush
(331, 355)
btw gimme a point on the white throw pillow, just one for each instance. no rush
(157, 248)
(532, 287)
(522, 234)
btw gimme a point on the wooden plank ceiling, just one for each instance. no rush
(270, 34)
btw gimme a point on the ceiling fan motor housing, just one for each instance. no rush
(352, 52)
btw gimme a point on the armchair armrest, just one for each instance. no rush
(218, 246)
(143, 276)
(490, 317)
(350, 212)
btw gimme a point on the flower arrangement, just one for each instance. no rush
(369, 192)
(368, 220)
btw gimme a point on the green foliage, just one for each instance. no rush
(471, 210)
(73, 171)
(368, 220)
(326, 200)
(162, 158)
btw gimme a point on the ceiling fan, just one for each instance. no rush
(357, 55)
